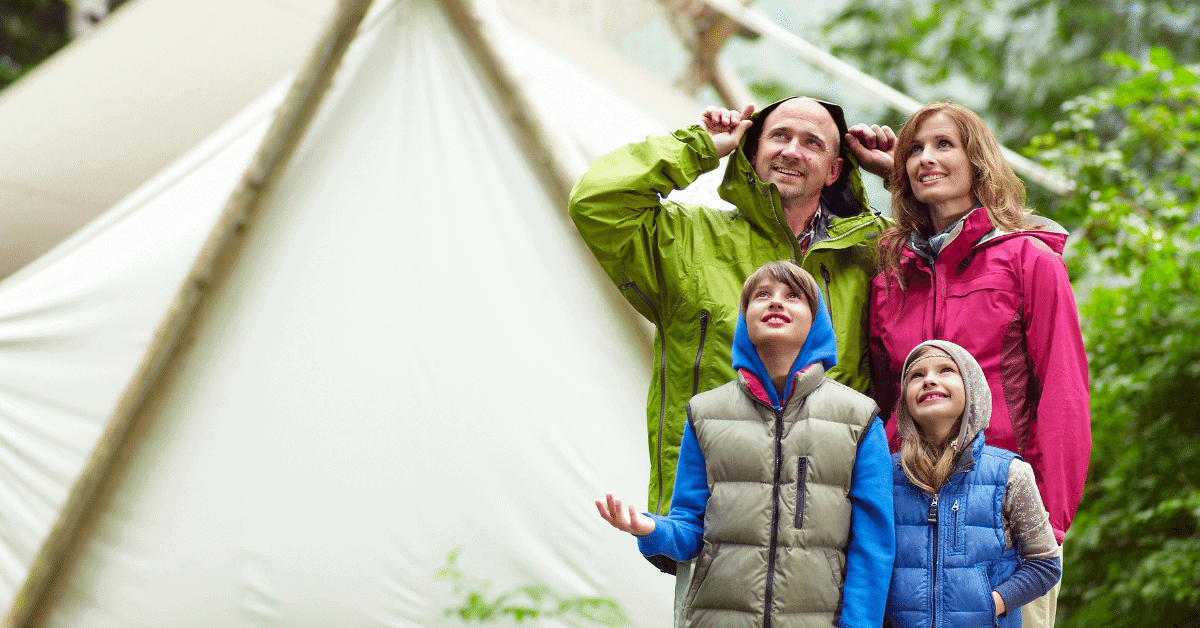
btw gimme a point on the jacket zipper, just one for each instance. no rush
(955, 509)
(936, 296)
(662, 386)
(769, 594)
(828, 302)
(933, 520)
(699, 352)
(766, 191)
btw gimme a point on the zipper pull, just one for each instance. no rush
(933, 512)
(955, 530)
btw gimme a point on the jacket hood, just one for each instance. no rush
(845, 198)
(977, 409)
(819, 346)
(1040, 227)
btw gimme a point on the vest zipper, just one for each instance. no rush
(662, 386)
(955, 509)
(933, 520)
(828, 301)
(801, 483)
(699, 352)
(769, 593)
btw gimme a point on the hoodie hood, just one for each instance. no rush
(977, 407)
(820, 346)
(845, 198)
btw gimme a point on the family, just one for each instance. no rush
(853, 420)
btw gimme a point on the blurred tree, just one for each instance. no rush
(1133, 149)
(1025, 58)
(30, 31)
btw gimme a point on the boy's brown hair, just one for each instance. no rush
(788, 273)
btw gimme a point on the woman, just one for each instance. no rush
(965, 262)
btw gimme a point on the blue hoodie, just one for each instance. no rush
(680, 534)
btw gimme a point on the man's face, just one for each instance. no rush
(798, 150)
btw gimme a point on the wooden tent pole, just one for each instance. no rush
(80, 513)
(532, 137)
(527, 130)
(710, 30)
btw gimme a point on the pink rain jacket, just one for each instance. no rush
(1004, 297)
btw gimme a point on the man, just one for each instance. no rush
(798, 195)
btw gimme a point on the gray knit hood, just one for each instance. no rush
(977, 410)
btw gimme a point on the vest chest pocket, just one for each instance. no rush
(801, 486)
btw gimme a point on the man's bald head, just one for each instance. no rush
(798, 149)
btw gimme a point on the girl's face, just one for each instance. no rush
(935, 395)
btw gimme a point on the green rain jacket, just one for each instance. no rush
(682, 266)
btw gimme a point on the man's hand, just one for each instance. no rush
(624, 518)
(873, 146)
(726, 127)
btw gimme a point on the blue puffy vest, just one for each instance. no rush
(966, 549)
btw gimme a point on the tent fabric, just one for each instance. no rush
(91, 124)
(414, 353)
(75, 324)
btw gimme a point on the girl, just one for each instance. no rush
(973, 541)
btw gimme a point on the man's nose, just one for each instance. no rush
(792, 150)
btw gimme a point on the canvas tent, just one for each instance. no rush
(410, 352)
(103, 115)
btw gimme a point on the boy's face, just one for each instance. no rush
(777, 316)
(934, 392)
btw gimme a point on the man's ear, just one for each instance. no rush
(834, 172)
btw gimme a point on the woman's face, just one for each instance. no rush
(935, 395)
(939, 170)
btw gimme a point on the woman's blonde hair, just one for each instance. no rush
(993, 183)
(927, 465)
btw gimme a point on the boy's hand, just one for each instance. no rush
(873, 146)
(623, 517)
(726, 127)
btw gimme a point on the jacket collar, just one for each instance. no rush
(977, 232)
(804, 382)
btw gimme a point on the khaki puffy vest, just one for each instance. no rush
(792, 468)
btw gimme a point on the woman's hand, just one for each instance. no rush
(624, 517)
(1000, 609)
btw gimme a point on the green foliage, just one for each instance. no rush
(1027, 57)
(531, 602)
(771, 90)
(30, 31)
(1133, 553)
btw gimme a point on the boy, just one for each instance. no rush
(784, 481)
